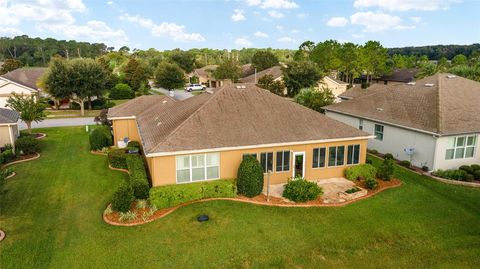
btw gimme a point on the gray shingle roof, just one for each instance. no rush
(449, 105)
(275, 71)
(8, 116)
(27, 76)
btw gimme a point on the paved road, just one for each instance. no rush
(178, 94)
(58, 123)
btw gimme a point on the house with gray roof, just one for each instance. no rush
(20, 81)
(433, 122)
(8, 126)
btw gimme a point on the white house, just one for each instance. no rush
(19, 81)
(434, 122)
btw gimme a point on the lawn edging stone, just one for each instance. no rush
(37, 155)
(2, 235)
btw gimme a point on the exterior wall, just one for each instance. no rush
(7, 89)
(163, 169)
(125, 128)
(336, 88)
(5, 135)
(441, 163)
(395, 140)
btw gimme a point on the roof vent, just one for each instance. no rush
(429, 84)
(164, 101)
(411, 83)
(241, 87)
(451, 76)
(379, 109)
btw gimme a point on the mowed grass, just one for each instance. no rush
(52, 214)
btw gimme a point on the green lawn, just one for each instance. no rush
(52, 212)
(70, 113)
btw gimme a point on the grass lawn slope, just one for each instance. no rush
(52, 214)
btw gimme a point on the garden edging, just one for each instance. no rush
(25, 160)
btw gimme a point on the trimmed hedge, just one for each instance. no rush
(134, 144)
(123, 198)
(301, 190)
(452, 174)
(138, 176)
(117, 158)
(405, 163)
(27, 145)
(250, 177)
(476, 174)
(173, 195)
(388, 156)
(100, 138)
(360, 171)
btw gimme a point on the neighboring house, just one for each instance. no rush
(399, 76)
(275, 71)
(205, 75)
(8, 126)
(20, 81)
(336, 86)
(434, 122)
(206, 136)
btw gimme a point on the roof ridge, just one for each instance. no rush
(215, 95)
(439, 107)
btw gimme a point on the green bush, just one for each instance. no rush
(122, 198)
(4, 173)
(100, 138)
(301, 190)
(405, 163)
(8, 155)
(121, 91)
(250, 177)
(138, 176)
(360, 171)
(117, 158)
(368, 161)
(173, 195)
(452, 174)
(386, 169)
(373, 151)
(467, 169)
(469, 177)
(134, 144)
(476, 174)
(353, 190)
(371, 183)
(27, 145)
(388, 156)
(475, 167)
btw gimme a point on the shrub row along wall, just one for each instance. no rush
(173, 195)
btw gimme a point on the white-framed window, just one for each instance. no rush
(461, 147)
(336, 156)
(360, 124)
(266, 160)
(353, 154)
(198, 167)
(319, 157)
(283, 161)
(379, 132)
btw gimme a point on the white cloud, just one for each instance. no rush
(238, 15)
(279, 27)
(110, 3)
(416, 19)
(165, 29)
(273, 4)
(10, 31)
(377, 22)
(243, 42)
(260, 34)
(286, 39)
(275, 14)
(337, 21)
(405, 5)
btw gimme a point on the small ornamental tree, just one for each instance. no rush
(315, 98)
(385, 171)
(100, 137)
(274, 86)
(29, 109)
(264, 59)
(250, 177)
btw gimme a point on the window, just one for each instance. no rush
(360, 124)
(283, 161)
(461, 147)
(266, 160)
(353, 154)
(336, 155)
(319, 157)
(191, 168)
(379, 132)
(254, 155)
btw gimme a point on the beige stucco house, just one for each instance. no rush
(206, 137)
(336, 86)
(20, 81)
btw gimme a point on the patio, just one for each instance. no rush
(333, 190)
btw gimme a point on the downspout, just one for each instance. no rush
(435, 153)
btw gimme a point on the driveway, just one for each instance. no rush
(178, 94)
(59, 123)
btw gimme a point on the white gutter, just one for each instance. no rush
(184, 152)
(18, 84)
(122, 118)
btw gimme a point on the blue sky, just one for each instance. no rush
(168, 24)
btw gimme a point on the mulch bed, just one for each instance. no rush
(258, 200)
(23, 158)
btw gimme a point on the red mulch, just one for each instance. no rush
(113, 217)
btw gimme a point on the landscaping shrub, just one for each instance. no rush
(360, 171)
(138, 176)
(371, 183)
(100, 138)
(173, 195)
(373, 151)
(368, 161)
(4, 173)
(122, 198)
(385, 170)
(121, 91)
(134, 144)
(27, 145)
(476, 174)
(405, 163)
(469, 177)
(250, 177)
(117, 158)
(353, 190)
(452, 174)
(8, 155)
(388, 156)
(466, 168)
(301, 190)
(475, 167)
